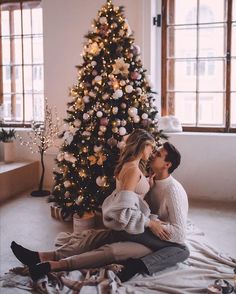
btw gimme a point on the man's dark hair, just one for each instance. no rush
(173, 156)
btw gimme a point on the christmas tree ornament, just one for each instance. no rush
(123, 105)
(136, 49)
(138, 90)
(123, 123)
(103, 129)
(105, 96)
(85, 116)
(115, 110)
(98, 80)
(94, 72)
(120, 67)
(136, 119)
(82, 173)
(104, 121)
(122, 83)
(117, 94)
(115, 130)
(67, 194)
(67, 184)
(85, 149)
(132, 111)
(92, 159)
(99, 114)
(97, 148)
(102, 181)
(79, 199)
(103, 20)
(122, 131)
(144, 116)
(112, 142)
(86, 99)
(77, 123)
(128, 89)
(93, 63)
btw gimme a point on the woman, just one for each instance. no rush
(124, 210)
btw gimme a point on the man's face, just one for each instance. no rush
(158, 162)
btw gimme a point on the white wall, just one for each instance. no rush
(208, 160)
(208, 167)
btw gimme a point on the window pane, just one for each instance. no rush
(6, 74)
(17, 22)
(233, 74)
(177, 45)
(211, 109)
(38, 78)
(28, 107)
(182, 75)
(233, 109)
(38, 50)
(7, 107)
(185, 107)
(17, 43)
(17, 79)
(26, 21)
(27, 50)
(5, 23)
(211, 74)
(37, 21)
(233, 48)
(211, 11)
(28, 79)
(234, 11)
(38, 107)
(5, 50)
(185, 12)
(19, 108)
(211, 40)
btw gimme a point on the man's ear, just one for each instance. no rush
(168, 164)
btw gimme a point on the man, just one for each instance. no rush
(167, 198)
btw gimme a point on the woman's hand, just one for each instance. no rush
(159, 230)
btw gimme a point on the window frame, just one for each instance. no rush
(14, 4)
(167, 105)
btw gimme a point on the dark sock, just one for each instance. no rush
(24, 255)
(131, 268)
(39, 270)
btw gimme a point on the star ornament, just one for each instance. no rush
(120, 67)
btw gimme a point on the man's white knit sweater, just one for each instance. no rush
(168, 199)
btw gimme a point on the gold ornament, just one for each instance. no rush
(82, 173)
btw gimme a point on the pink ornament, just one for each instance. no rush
(104, 121)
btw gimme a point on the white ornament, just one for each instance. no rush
(122, 131)
(122, 82)
(128, 89)
(115, 110)
(139, 90)
(136, 119)
(132, 111)
(117, 94)
(94, 63)
(98, 79)
(103, 129)
(144, 116)
(103, 20)
(99, 114)
(67, 184)
(86, 99)
(85, 116)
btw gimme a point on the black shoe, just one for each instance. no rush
(131, 267)
(39, 270)
(26, 256)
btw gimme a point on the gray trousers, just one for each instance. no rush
(94, 248)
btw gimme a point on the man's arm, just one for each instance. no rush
(177, 205)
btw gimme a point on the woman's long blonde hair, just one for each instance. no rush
(135, 144)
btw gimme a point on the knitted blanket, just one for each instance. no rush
(203, 267)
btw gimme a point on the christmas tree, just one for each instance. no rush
(111, 98)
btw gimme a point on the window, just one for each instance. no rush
(199, 63)
(21, 62)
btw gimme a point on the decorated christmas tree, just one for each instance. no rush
(111, 98)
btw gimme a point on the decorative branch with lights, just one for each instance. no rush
(111, 98)
(40, 138)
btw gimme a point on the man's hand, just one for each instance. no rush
(159, 230)
(151, 180)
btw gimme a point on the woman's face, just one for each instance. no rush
(148, 149)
